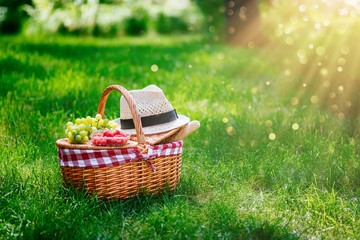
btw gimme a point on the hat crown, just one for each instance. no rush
(149, 101)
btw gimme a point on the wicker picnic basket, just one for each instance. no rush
(121, 172)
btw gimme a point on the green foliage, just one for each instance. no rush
(137, 23)
(109, 18)
(170, 24)
(13, 16)
(14, 4)
(236, 183)
(214, 13)
(180, 20)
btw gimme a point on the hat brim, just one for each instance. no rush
(180, 121)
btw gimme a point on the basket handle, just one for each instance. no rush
(130, 101)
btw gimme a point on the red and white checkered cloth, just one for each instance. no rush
(106, 158)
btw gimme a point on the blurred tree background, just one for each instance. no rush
(314, 43)
(12, 15)
(100, 17)
(217, 19)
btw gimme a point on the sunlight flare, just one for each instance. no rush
(319, 48)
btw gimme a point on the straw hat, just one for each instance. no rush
(156, 112)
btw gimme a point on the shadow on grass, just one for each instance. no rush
(59, 213)
(87, 68)
(115, 58)
(227, 222)
(13, 70)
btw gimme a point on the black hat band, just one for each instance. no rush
(149, 121)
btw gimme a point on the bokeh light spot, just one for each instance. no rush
(154, 68)
(295, 126)
(269, 130)
(348, 104)
(231, 30)
(268, 123)
(251, 44)
(332, 95)
(302, 8)
(326, 23)
(287, 30)
(345, 50)
(341, 89)
(242, 14)
(317, 26)
(303, 60)
(225, 120)
(341, 116)
(314, 99)
(324, 72)
(301, 53)
(230, 131)
(254, 90)
(294, 101)
(334, 107)
(272, 136)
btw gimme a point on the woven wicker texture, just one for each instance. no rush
(131, 178)
(127, 180)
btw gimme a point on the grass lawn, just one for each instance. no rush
(262, 166)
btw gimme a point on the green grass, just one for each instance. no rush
(236, 183)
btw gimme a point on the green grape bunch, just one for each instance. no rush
(80, 131)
